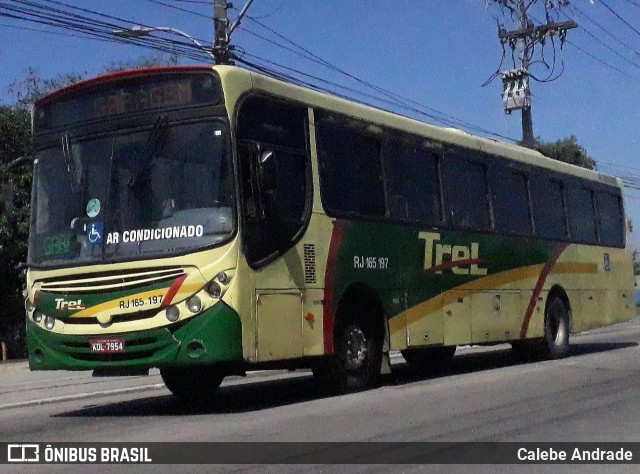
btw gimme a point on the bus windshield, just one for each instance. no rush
(141, 194)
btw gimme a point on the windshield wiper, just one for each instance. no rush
(71, 166)
(156, 141)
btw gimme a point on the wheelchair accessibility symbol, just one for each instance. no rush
(94, 232)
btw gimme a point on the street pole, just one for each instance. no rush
(221, 27)
(516, 82)
(527, 117)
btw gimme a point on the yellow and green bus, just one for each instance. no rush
(211, 220)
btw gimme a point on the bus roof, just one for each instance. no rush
(440, 135)
(276, 87)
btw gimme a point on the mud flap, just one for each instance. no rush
(385, 367)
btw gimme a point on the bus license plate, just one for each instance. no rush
(111, 344)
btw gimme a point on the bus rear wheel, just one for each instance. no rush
(192, 384)
(430, 359)
(357, 359)
(555, 343)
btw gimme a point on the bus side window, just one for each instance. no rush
(610, 219)
(582, 219)
(467, 193)
(350, 171)
(511, 201)
(549, 210)
(413, 183)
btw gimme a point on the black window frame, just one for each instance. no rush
(451, 162)
(410, 144)
(341, 123)
(497, 172)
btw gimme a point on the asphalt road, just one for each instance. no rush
(488, 395)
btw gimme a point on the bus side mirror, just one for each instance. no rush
(267, 171)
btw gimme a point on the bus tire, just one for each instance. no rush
(555, 343)
(430, 359)
(357, 359)
(192, 384)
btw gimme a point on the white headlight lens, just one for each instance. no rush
(214, 289)
(223, 278)
(172, 313)
(37, 316)
(49, 322)
(194, 304)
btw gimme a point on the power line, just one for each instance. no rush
(396, 99)
(93, 28)
(607, 32)
(185, 10)
(601, 61)
(619, 17)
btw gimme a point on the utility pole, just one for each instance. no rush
(516, 82)
(221, 25)
(528, 139)
(223, 32)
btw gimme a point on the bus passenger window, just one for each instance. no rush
(511, 202)
(467, 194)
(414, 185)
(350, 172)
(582, 220)
(611, 221)
(549, 208)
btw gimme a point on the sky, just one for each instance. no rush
(435, 52)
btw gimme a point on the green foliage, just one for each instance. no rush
(15, 141)
(32, 87)
(142, 62)
(567, 150)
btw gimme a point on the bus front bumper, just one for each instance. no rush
(213, 336)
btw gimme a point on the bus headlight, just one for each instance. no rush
(37, 316)
(214, 289)
(28, 306)
(49, 322)
(172, 313)
(194, 304)
(223, 278)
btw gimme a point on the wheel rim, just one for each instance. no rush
(560, 332)
(557, 326)
(355, 348)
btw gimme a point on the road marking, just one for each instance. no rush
(81, 396)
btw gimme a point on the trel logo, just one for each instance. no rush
(463, 260)
(63, 305)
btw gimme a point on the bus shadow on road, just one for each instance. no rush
(467, 363)
(260, 395)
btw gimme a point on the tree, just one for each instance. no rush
(567, 150)
(15, 141)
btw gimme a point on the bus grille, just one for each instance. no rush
(108, 281)
(116, 318)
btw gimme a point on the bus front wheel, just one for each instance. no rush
(355, 364)
(192, 384)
